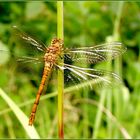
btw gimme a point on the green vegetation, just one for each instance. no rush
(88, 113)
(60, 83)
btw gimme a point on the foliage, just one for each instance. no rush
(85, 23)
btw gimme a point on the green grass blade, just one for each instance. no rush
(60, 72)
(23, 119)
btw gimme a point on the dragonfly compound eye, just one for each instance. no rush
(54, 41)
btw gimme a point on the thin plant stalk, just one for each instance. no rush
(60, 35)
(116, 35)
(118, 63)
(109, 101)
(99, 114)
(109, 94)
(104, 95)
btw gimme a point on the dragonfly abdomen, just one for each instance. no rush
(46, 73)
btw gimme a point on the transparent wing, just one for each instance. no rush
(27, 59)
(5, 54)
(26, 49)
(95, 54)
(28, 39)
(89, 77)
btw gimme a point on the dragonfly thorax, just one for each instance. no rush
(54, 49)
(49, 57)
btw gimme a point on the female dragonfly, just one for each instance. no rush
(55, 51)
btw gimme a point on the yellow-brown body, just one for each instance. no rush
(50, 58)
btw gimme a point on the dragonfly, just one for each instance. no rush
(51, 55)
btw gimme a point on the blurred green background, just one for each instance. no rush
(85, 24)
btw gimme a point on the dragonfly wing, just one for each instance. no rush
(25, 48)
(26, 59)
(95, 54)
(28, 39)
(89, 77)
(20, 59)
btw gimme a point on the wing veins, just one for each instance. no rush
(40, 46)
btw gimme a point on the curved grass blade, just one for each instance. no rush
(23, 119)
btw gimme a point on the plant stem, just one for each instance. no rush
(118, 65)
(99, 114)
(60, 72)
(109, 95)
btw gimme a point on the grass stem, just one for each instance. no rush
(118, 65)
(60, 72)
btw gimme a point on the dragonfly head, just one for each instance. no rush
(56, 46)
(57, 42)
